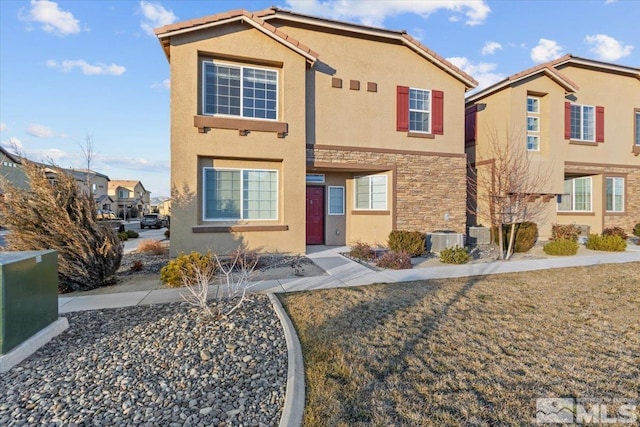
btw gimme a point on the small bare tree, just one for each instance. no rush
(504, 180)
(235, 280)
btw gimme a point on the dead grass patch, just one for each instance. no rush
(153, 247)
(468, 351)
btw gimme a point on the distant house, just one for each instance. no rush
(131, 198)
(579, 119)
(291, 130)
(11, 170)
(97, 184)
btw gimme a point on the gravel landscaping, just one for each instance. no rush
(162, 365)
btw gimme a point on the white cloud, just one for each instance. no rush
(3, 126)
(155, 16)
(53, 19)
(607, 48)
(90, 70)
(13, 143)
(166, 83)
(39, 131)
(490, 48)
(546, 50)
(374, 12)
(483, 72)
(134, 164)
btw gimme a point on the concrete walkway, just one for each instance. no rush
(342, 272)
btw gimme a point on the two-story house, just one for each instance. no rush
(131, 198)
(97, 184)
(288, 130)
(579, 121)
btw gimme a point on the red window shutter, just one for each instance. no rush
(567, 120)
(599, 124)
(437, 105)
(402, 100)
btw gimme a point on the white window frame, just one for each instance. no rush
(315, 178)
(533, 134)
(329, 191)
(572, 195)
(613, 195)
(636, 127)
(370, 178)
(242, 100)
(123, 194)
(582, 118)
(429, 112)
(241, 170)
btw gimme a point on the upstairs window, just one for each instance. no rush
(123, 194)
(419, 111)
(637, 127)
(240, 91)
(533, 123)
(584, 122)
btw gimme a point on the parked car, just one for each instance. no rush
(153, 221)
(108, 218)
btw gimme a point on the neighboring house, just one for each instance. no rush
(98, 184)
(289, 130)
(11, 170)
(131, 198)
(164, 207)
(579, 120)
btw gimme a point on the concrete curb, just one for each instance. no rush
(294, 396)
(32, 344)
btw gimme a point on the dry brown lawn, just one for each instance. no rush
(471, 351)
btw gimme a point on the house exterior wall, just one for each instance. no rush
(191, 150)
(342, 133)
(619, 95)
(13, 173)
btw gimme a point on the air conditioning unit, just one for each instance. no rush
(479, 236)
(437, 241)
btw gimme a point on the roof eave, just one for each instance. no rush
(164, 37)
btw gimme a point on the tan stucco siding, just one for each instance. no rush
(244, 46)
(361, 118)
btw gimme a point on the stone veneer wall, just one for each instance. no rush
(428, 186)
(631, 215)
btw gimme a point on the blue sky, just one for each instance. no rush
(73, 69)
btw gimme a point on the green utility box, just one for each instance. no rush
(28, 295)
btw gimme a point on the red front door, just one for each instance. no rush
(315, 215)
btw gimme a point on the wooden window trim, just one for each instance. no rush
(367, 212)
(237, 228)
(421, 135)
(243, 126)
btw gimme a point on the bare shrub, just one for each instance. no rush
(394, 260)
(362, 251)
(234, 280)
(152, 247)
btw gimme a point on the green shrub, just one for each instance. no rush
(636, 230)
(455, 255)
(123, 236)
(561, 247)
(394, 260)
(615, 231)
(606, 243)
(132, 234)
(565, 232)
(362, 251)
(526, 236)
(173, 273)
(411, 242)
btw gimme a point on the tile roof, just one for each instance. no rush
(259, 20)
(243, 15)
(552, 70)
